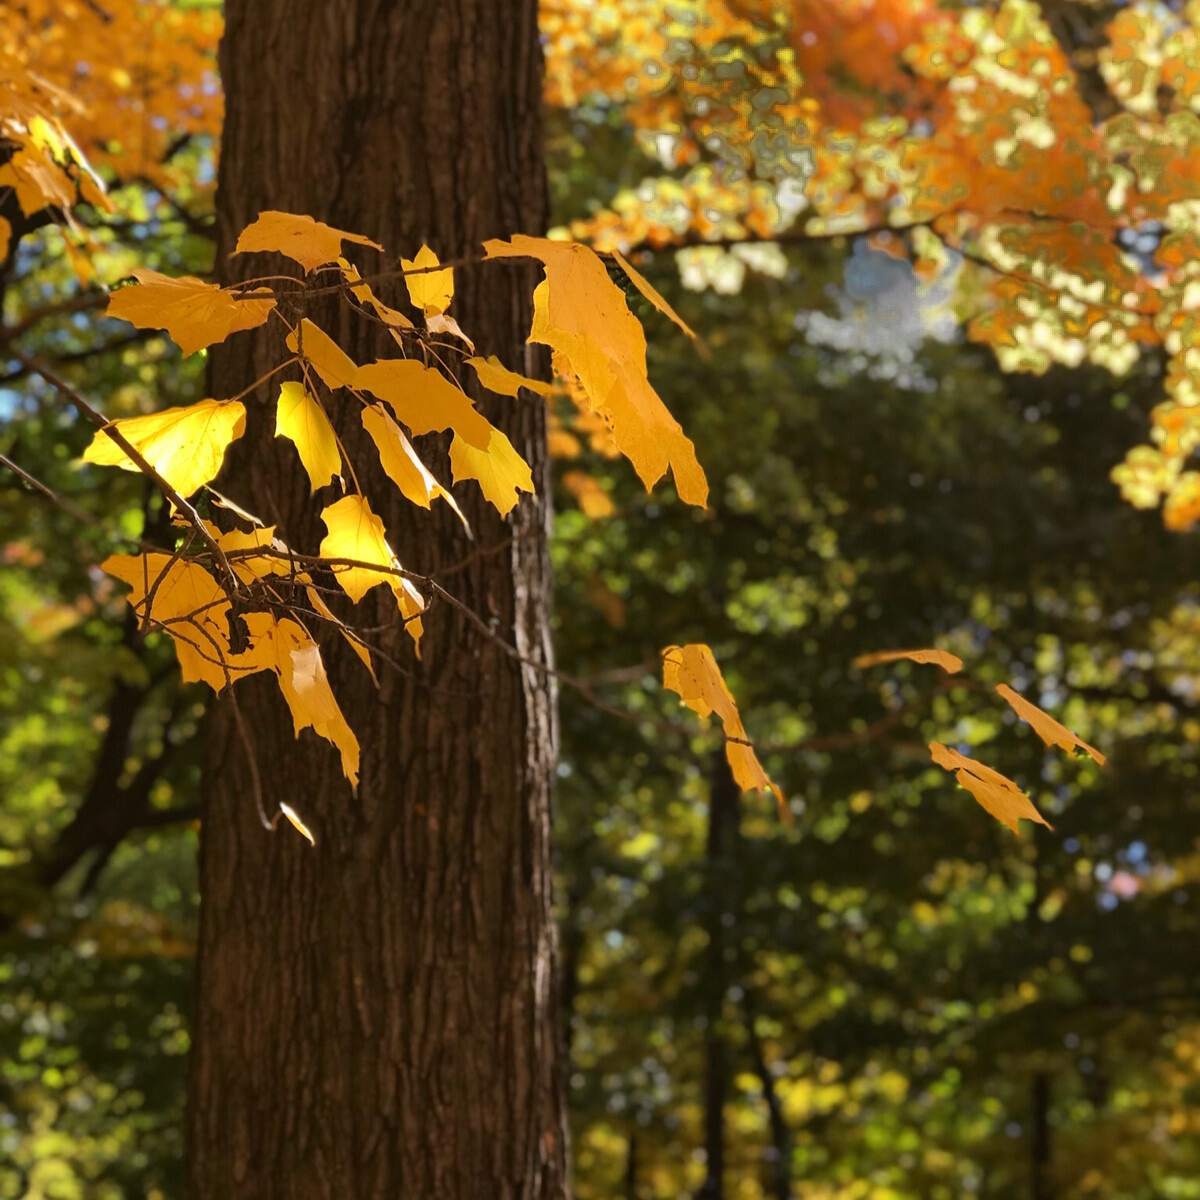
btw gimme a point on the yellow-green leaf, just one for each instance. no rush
(195, 314)
(186, 446)
(299, 417)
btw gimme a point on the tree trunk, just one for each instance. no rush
(375, 1015)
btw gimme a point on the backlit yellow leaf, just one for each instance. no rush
(692, 672)
(950, 663)
(186, 446)
(357, 534)
(502, 473)
(402, 463)
(335, 367)
(582, 315)
(308, 242)
(294, 818)
(996, 793)
(495, 376)
(430, 291)
(187, 603)
(287, 649)
(442, 323)
(1045, 726)
(299, 417)
(651, 293)
(195, 314)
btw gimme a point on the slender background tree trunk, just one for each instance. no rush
(375, 1015)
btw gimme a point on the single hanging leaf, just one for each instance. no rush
(195, 314)
(356, 533)
(496, 377)
(188, 604)
(996, 793)
(298, 825)
(299, 417)
(582, 315)
(300, 238)
(335, 367)
(1045, 726)
(186, 446)
(950, 663)
(286, 648)
(430, 291)
(651, 293)
(402, 464)
(692, 672)
(501, 472)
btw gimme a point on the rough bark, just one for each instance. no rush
(375, 1015)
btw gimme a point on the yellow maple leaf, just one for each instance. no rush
(430, 291)
(651, 293)
(357, 534)
(996, 793)
(286, 648)
(195, 314)
(246, 552)
(692, 672)
(1045, 726)
(186, 446)
(950, 663)
(582, 315)
(183, 600)
(301, 419)
(500, 471)
(495, 376)
(335, 367)
(402, 463)
(300, 238)
(424, 399)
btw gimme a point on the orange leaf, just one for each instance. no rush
(1045, 726)
(996, 793)
(950, 663)
(308, 242)
(195, 314)
(692, 672)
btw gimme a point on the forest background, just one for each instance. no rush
(911, 420)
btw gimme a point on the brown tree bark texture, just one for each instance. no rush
(375, 1014)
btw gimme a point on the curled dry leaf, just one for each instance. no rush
(950, 663)
(996, 793)
(1045, 726)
